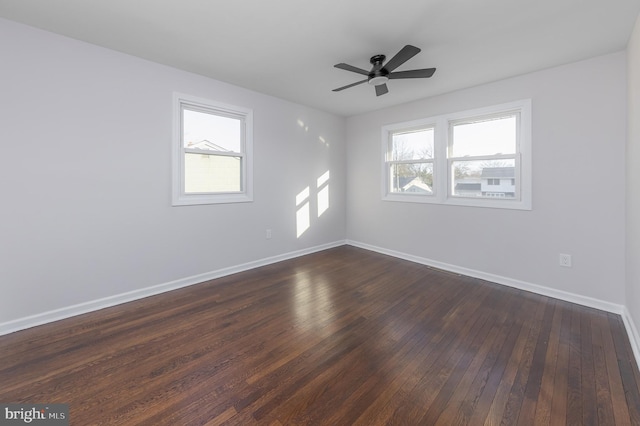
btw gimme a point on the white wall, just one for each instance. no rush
(579, 129)
(85, 173)
(633, 179)
(85, 180)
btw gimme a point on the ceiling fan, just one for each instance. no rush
(380, 74)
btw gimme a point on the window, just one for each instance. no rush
(410, 162)
(484, 149)
(475, 158)
(212, 150)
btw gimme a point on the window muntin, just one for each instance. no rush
(410, 161)
(212, 152)
(479, 158)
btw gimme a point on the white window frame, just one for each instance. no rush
(412, 126)
(442, 166)
(245, 115)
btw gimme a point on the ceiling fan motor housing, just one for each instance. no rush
(377, 60)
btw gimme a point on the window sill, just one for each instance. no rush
(459, 201)
(194, 200)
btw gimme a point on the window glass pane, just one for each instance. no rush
(211, 132)
(411, 178)
(212, 173)
(485, 137)
(486, 179)
(413, 145)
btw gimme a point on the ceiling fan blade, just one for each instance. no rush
(401, 57)
(351, 68)
(424, 73)
(349, 85)
(381, 89)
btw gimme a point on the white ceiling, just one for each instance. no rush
(287, 48)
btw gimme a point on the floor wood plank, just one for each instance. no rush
(341, 337)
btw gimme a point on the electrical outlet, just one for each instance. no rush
(565, 260)
(268, 234)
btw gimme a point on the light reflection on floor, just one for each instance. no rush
(312, 301)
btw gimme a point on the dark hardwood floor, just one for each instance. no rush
(340, 337)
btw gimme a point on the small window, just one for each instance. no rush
(212, 152)
(410, 161)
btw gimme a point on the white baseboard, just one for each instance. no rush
(106, 302)
(510, 282)
(632, 332)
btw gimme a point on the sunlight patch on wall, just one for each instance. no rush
(303, 125)
(323, 193)
(318, 198)
(303, 218)
(313, 201)
(323, 141)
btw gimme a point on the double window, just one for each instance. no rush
(211, 152)
(475, 158)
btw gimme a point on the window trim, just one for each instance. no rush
(442, 171)
(183, 101)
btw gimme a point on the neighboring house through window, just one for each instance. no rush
(498, 180)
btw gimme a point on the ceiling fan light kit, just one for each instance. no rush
(376, 81)
(380, 73)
